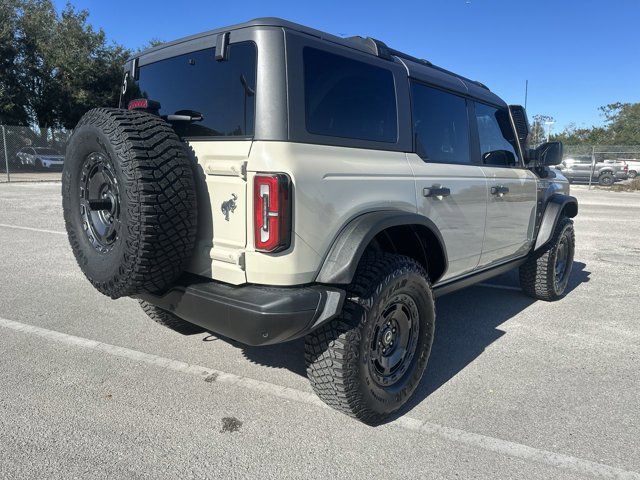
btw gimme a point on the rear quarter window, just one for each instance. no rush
(347, 98)
(223, 92)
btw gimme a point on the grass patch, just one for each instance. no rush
(632, 186)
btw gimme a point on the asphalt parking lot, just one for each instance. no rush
(90, 387)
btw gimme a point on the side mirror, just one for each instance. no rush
(546, 155)
(502, 158)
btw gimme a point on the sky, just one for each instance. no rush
(576, 55)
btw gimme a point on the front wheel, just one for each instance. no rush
(546, 273)
(368, 361)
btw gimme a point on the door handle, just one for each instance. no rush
(436, 191)
(499, 190)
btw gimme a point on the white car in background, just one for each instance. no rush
(634, 167)
(40, 157)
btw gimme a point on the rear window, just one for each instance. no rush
(223, 92)
(348, 98)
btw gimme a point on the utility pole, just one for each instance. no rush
(6, 157)
(526, 93)
(593, 165)
(548, 124)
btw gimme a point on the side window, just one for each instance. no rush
(440, 125)
(497, 138)
(347, 98)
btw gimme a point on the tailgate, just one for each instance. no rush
(222, 213)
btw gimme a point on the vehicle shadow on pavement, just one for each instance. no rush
(467, 322)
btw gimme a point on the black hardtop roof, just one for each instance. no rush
(417, 68)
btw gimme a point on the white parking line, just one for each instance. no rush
(31, 229)
(497, 445)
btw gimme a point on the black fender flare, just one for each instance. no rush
(341, 262)
(556, 205)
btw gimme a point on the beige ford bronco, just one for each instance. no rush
(268, 182)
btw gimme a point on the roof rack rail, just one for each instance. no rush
(380, 49)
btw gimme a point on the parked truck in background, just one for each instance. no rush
(604, 172)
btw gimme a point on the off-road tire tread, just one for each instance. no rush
(606, 175)
(169, 320)
(331, 351)
(161, 192)
(537, 273)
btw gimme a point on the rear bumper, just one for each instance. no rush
(251, 314)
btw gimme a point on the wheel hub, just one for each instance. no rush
(394, 340)
(100, 202)
(562, 261)
(387, 337)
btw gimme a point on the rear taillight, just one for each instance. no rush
(272, 212)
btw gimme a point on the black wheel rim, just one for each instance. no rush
(100, 202)
(394, 340)
(563, 258)
(607, 181)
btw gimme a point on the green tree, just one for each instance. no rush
(621, 127)
(12, 95)
(54, 66)
(539, 129)
(622, 123)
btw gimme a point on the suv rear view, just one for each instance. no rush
(269, 182)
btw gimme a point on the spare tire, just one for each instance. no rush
(129, 201)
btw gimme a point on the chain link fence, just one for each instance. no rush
(31, 154)
(589, 163)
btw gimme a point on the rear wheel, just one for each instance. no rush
(606, 179)
(546, 273)
(368, 361)
(169, 320)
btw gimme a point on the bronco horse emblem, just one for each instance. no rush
(229, 206)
